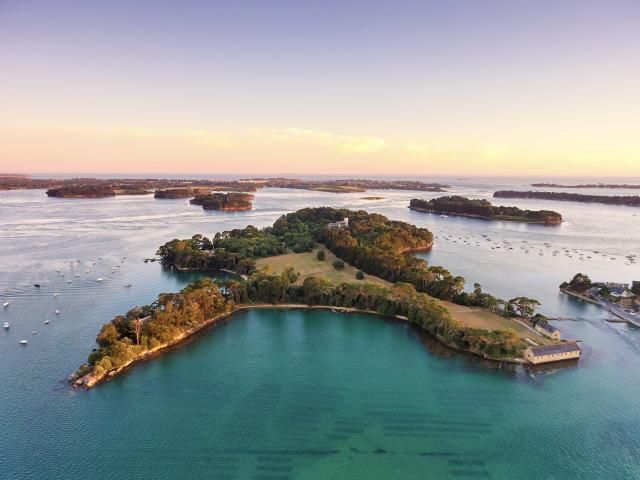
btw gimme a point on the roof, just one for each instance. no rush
(564, 347)
(547, 327)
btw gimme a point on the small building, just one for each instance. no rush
(620, 292)
(548, 330)
(552, 353)
(344, 223)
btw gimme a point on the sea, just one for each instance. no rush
(290, 394)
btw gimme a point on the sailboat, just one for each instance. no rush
(23, 342)
(5, 304)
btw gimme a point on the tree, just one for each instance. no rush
(136, 325)
(321, 255)
(108, 335)
(338, 265)
(360, 275)
(580, 282)
(523, 306)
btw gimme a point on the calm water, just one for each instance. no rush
(290, 394)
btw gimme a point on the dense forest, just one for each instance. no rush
(631, 201)
(457, 205)
(371, 242)
(224, 201)
(173, 193)
(171, 317)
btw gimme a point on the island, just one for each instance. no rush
(82, 191)
(623, 186)
(620, 299)
(228, 202)
(483, 209)
(630, 201)
(344, 260)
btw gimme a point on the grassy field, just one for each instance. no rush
(479, 318)
(309, 266)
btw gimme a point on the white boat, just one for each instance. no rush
(34, 332)
(55, 294)
(46, 322)
(99, 279)
(57, 312)
(23, 342)
(5, 304)
(444, 216)
(6, 324)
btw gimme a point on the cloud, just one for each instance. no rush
(342, 143)
(205, 137)
(495, 152)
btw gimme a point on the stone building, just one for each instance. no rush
(552, 353)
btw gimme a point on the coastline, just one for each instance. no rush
(481, 217)
(578, 296)
(89, 381)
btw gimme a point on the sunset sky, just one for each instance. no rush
(348, 87)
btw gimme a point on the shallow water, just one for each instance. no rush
(291, 394)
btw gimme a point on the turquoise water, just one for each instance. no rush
(294, 394)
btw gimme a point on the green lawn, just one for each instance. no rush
(309, 266)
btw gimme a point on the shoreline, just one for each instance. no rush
(579, 296)
(89, 381)
(480, 217)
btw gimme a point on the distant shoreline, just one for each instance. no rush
(628, 201)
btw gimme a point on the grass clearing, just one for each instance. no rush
(474, 317)
(308, 265)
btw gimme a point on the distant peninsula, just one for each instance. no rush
(174, 193)
(228, 202)
(630, 201)
(624, 186)
(483, 209)
(348, 185)
(177, 188)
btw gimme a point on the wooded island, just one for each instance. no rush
(399, 285)
(465, 207)
(229, 202)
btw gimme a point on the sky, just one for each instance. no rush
(450, 87)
